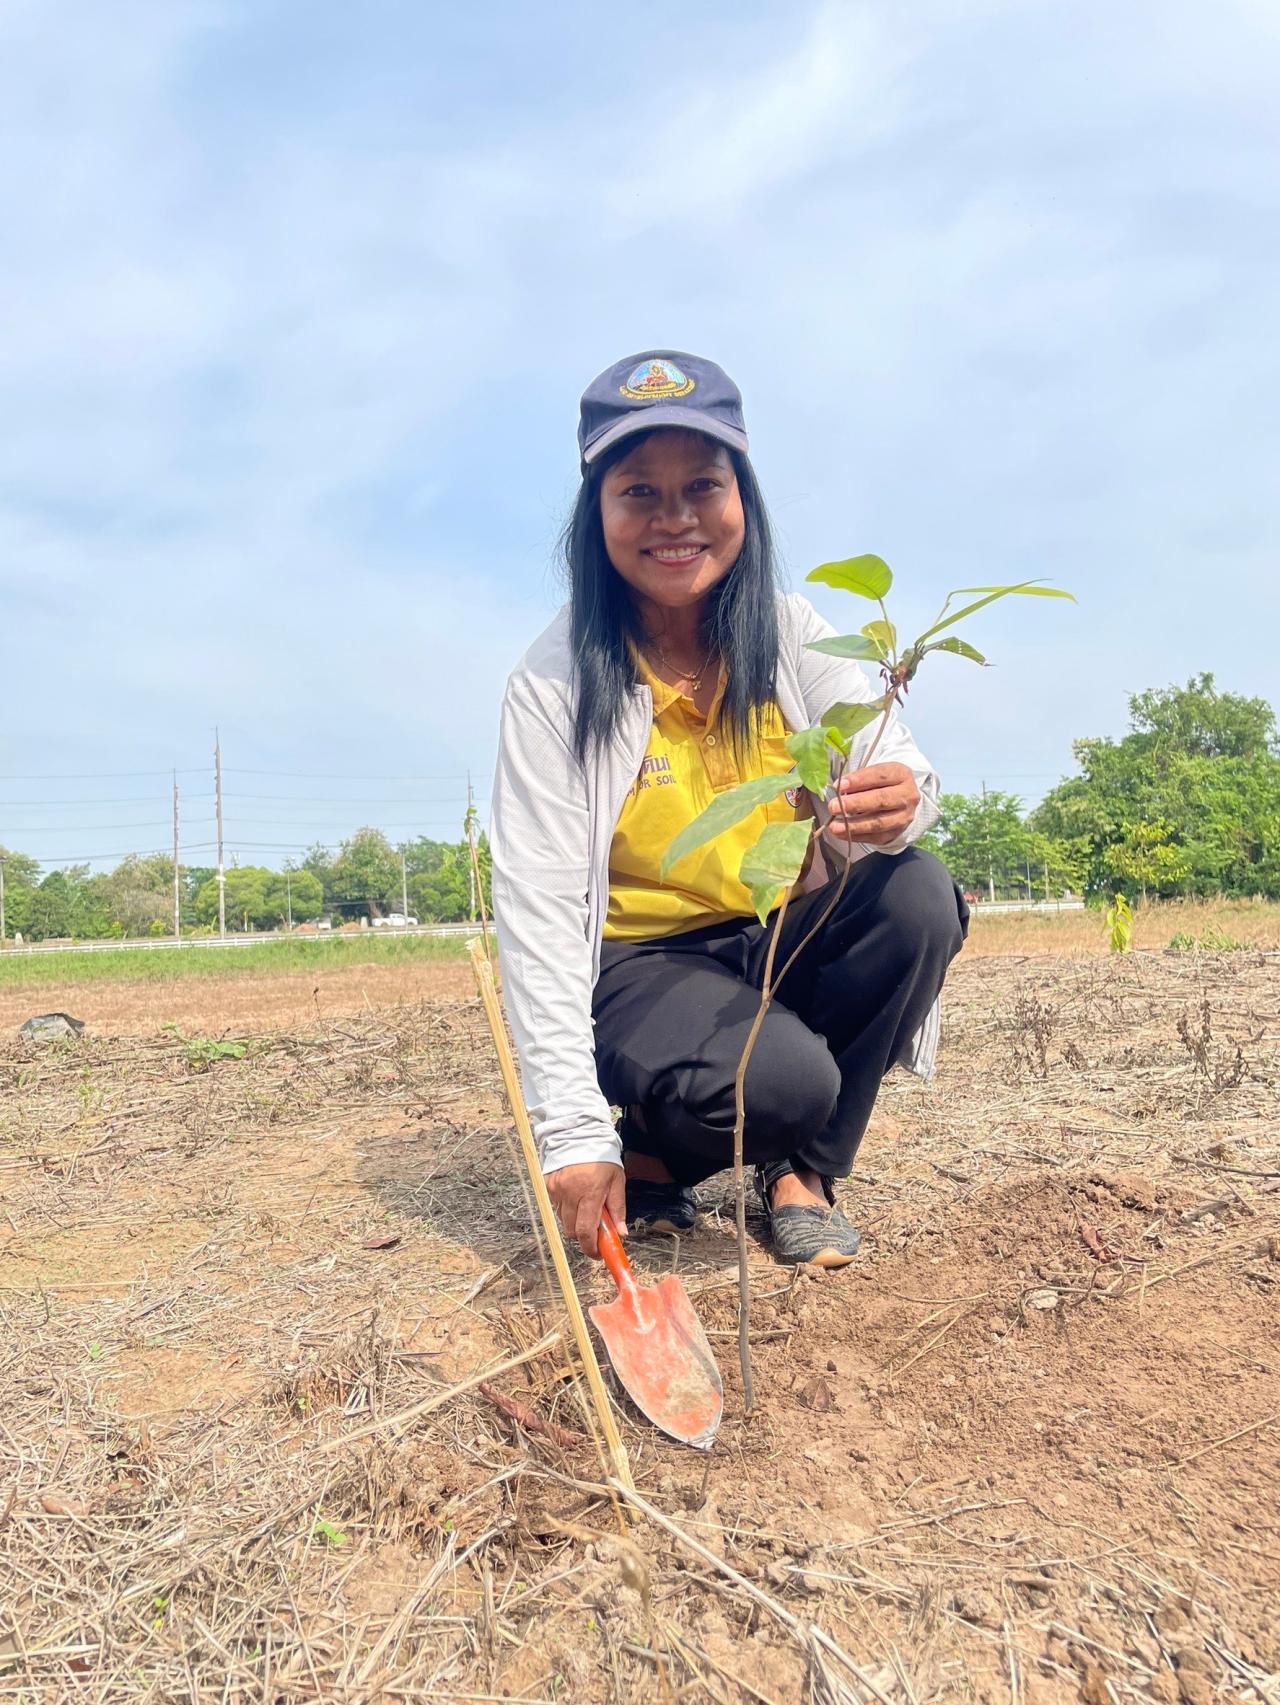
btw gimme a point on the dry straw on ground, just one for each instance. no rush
(254, 1443)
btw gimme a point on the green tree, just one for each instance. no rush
(982, 840)
(366, 875)
(1197, 776)
(21, 879)
(320, 861)
(1148, 857)
(1197, 721)
(296, 893)
(138, 894)
(246, 898)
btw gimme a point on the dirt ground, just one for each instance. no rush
(1025, 1451)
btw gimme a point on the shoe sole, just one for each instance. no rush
(829, 1258)
(662, 1228)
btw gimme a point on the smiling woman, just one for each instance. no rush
(676, 673)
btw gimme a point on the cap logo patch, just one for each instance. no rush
(656, 381)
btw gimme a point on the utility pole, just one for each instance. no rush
(991, 878)
(470, 836)
(1, 902)
(404, 887)
(288, 896)
(177, 879)
(222, 874)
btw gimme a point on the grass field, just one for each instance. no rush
(170, 965)
(1083, 934)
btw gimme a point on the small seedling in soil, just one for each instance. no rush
(770, 868)
(1211, 940)
(322, 1529)
(1120, 925)
(203, 1051)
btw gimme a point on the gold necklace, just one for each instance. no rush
(695, 681)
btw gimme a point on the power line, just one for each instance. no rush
(105, 775)
(144, 799)
(328, 775)
(309, 799)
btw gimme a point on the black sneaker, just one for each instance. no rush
(821, 1237)
(668, 1209)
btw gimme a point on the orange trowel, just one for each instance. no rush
(658, 1348)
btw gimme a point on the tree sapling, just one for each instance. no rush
(821, 754)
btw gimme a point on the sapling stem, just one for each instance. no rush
(768, 987)
(739, 1171)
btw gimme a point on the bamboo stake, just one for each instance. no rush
(550, 1225)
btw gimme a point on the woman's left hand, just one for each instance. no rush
(874, 806)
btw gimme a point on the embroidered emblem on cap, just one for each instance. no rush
(656, 381)
(793, 796)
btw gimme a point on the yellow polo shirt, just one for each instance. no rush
(686, 764)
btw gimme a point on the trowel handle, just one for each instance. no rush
(613, 1254)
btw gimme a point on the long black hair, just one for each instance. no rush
(741, 624)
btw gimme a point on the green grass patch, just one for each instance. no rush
(169, 964)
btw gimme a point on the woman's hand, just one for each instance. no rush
(579, 1194)
(874, 806)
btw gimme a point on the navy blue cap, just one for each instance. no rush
(660, 388)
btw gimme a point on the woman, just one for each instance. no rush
(675, 671)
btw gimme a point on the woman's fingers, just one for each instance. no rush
(875, 804)
(579, 1193)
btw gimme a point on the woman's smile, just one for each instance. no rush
(677, 554)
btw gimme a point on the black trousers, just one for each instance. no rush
(672, 1017)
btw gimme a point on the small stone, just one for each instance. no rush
(1195, 1688)
(816, 1394)
(1093, 1684)
(980, 1608)
(1193, 1659)
(1042, 1299)
(1169, 1619)
(1163, 1687)
(1144, 1648)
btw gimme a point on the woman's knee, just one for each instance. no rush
(918, 900)
(791, 1086)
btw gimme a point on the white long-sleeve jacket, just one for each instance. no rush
(552, 826)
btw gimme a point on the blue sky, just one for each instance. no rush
(297, 300)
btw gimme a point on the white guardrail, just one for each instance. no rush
(197, 941)
(981, 905)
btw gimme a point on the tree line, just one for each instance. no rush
(1186, 803)
(366, 877)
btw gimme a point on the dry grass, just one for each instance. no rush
(1083, 934)
(1025, 1452)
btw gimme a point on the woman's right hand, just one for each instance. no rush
(580, 1194)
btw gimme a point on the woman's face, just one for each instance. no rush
(672, 518)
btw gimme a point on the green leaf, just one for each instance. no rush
(774, 863)
(836, 739)
(958, 648)
(724, 811)
(1025, 588)
(323, 1529)
(868, 576)
(849, 645)
(848, 719)
(813, 757)
(883, 634)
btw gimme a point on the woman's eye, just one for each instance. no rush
(638, 491)
(705, 485)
